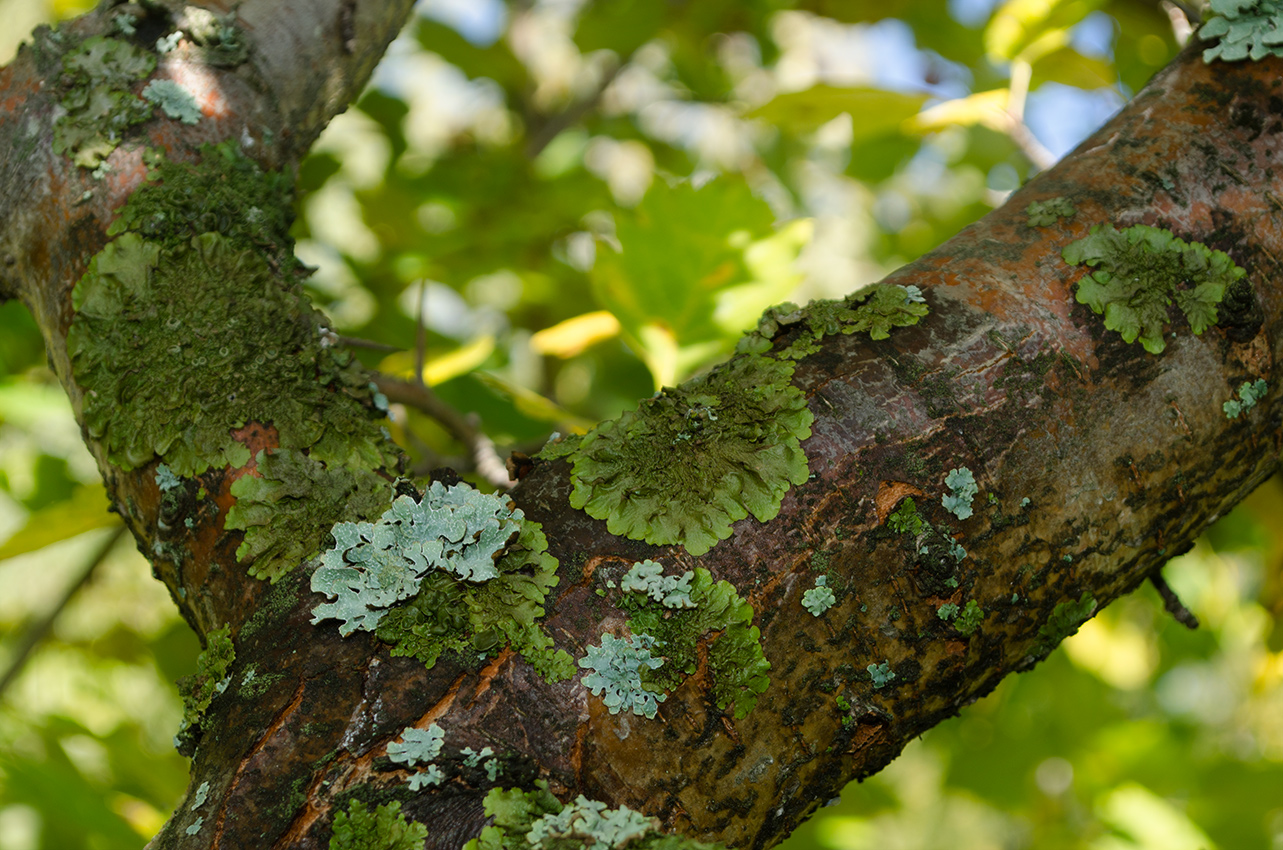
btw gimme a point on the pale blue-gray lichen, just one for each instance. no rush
(962, 491)
(373, 566)
(647, 578)
(820, 598)
(616, 666)
(458, 571)
(1248, 395)
(1244, 29)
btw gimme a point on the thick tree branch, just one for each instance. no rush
(1095, 462)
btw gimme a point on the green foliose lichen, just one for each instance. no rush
(288, 508)
(385, 828)
(905, 519)
(479, 619)
(1065, 620)
(738, 668)
(1246, 29)
(220, 41)
(98, 77)
(1139, 271)
(970, 618)
(199, 689)
(536, 820)
(225, 192)
(177, 347)
(874, 310)
(1048, 212)
(691, 461)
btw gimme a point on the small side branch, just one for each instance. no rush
(1174, 606)
(38, 628)
(485, 458)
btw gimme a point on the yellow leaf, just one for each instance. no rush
(86, 510)
(533, 404)
(568, 338)
(1019, 24)
(988, 108)
(438, 370)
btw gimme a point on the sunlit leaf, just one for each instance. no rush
(571, 337)
(533, 404)
(85, 511)
(987, 108)
(873, 112)
(442, 368)
(1019, 23)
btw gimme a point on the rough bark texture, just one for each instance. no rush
(1123, 458)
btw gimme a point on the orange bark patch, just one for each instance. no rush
(889, 495)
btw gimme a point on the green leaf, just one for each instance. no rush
(1019, 24)
(85, 511)
(874, 112)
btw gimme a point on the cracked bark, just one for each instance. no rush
(1124, 458)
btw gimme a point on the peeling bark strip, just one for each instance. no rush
(1051, 468)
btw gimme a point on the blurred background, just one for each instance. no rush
(550, 209)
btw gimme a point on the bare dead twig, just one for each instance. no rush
(38, 627)
(485, 459)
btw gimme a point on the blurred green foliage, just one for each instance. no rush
(588, 200)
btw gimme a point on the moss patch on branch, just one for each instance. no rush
(1139, 271)
(536, 820)
(98, 77)
(289, 507)
(874, 310)
(177, 347)
(691, 461)
(738, 667)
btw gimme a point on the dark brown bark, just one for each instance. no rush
(1124, 457)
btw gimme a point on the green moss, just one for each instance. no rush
(874, 310)
(970, 618)
(905, 519)
(385, 828)
(98, 77)
(1140, 271)
(737, 663)
(176, 347)
(288, 511)
(1065, 620)
(1048, 212)
(536, 820)
(450, 614)
(691, 461)
(225, 192)
(1246, 29)
(199, 689)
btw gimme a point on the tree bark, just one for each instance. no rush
(1095, 463)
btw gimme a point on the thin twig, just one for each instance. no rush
(1018, 130)
(421, 334)
(1172, 602)
(38, 628)
(416, 394)
(570, 116)
(357, 342)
